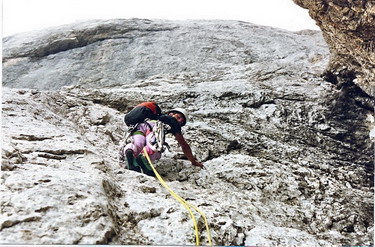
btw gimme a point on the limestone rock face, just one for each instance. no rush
(349, 30)
(288, 156)
(114, 52)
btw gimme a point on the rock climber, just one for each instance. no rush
(175, 119)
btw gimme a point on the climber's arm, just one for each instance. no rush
(187, 150)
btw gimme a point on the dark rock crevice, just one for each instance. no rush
(61, 44)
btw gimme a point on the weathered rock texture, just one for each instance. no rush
(117, 52)
(349, 30)
(288, 155)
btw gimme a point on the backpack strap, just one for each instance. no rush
(130, 132)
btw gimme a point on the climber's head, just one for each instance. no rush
(180, 115)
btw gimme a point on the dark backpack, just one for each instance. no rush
(141, 112)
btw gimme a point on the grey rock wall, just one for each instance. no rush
(116, 52)
(289, 156)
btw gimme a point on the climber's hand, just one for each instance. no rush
(199, 164)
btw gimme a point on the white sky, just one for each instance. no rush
(27, 15)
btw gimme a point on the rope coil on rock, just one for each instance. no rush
(187, 205)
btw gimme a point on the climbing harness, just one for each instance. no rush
(187, 205)
(156, 142)
(159, 130)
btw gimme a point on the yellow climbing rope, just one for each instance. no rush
(187, 205)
